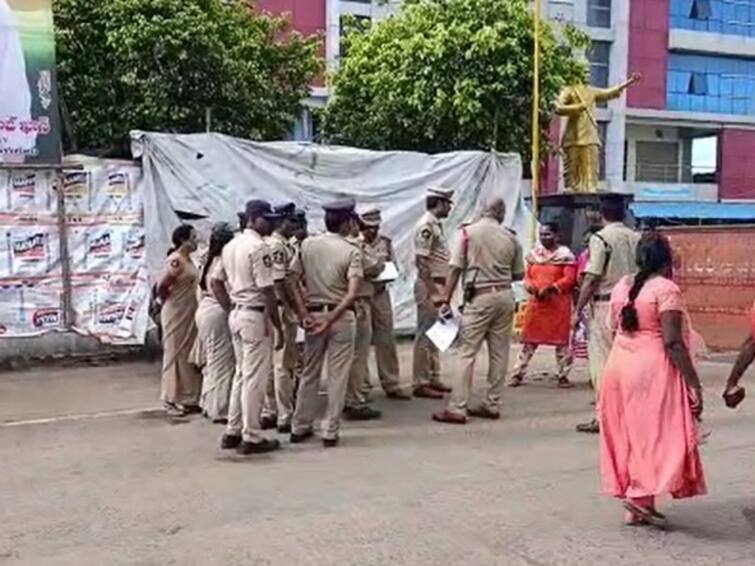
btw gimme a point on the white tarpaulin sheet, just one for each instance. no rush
(211, 176)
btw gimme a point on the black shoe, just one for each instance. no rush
(398, 395)
(330, 442)
(263, 446)
(284, 429)
(230, 441)
(268, 422)
(361, 413)
(299, 437)
(591, 427)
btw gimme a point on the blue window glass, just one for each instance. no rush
(704, 83)
(734, 17)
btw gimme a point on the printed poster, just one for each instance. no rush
(30, 307)
(27, 192)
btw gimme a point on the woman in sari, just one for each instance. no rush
(551, 274)
(213, 350)
(177, 289)
(650, 396)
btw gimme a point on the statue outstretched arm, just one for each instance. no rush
(606, 94)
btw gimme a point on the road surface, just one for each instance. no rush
(91, 474)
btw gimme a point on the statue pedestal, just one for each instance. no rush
(575, 213)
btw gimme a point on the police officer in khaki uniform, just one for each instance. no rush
(613, 255)
(431, 252)
(381, 310)
(246, 270)
(301, 231)
(490, 257)
(357, 407)
(331, 268)
(278, 408)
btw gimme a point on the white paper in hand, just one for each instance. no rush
(443, 333)
(300, 335)
(389, 273)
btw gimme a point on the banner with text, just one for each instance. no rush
(29, 122)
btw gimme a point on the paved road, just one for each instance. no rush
(132, 487)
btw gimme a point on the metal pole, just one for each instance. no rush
(535, 162)
(65, 258)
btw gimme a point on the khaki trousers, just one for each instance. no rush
(359, 373)
(487, 318)
(253, 347)
(337, 346)
(599, 342)
(279, 399)
(384, 339)
(426, 360)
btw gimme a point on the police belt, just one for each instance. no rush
(248, 308)
(325, 308)
(497, 288)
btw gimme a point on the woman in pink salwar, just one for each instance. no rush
(650, 395)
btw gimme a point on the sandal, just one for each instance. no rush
(650, 516)
(633, 520)
(564, 383)
(174, 410)
(516, 381)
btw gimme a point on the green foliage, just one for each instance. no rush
(160, 64)
(447, 75)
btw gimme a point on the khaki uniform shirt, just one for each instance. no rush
(430, 242)
(246, 267)
(326, 263)
(493, 256)
(372, 266)
(580, 129)
(283, 254)
(613, 256)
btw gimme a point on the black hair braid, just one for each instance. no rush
(218, 241)
(630, 322)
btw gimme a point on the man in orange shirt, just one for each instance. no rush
(551, 274)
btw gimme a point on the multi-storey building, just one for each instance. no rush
(685, 133)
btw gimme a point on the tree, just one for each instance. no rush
(447, 75)
(161, 64)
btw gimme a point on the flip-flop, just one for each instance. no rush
(564, 383)
(632, 520)
(650, 516)
(516, 382)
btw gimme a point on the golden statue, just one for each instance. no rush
(581, 142)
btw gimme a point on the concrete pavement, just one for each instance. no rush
(89, 474)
